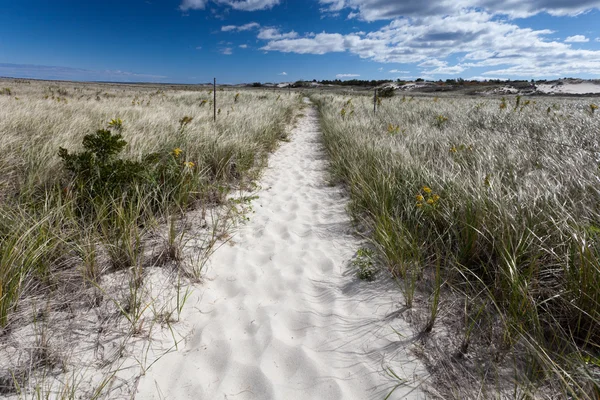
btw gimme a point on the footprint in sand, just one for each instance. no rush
(294, 324)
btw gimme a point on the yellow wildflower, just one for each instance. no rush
(177, 152)
(430, 201)
(420, 198)
(116, 123)
(113, 122)
(189, 164)
(435, 197)
(419, 205)
(426, 189)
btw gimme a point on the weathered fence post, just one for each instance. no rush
(215, 99)
(375, 102)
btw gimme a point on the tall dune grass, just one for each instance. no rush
(500, 195)
(52, 221)
(38, 118)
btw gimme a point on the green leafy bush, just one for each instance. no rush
(98, 169)
(100, 172)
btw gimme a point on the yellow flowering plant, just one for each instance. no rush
(426, 198)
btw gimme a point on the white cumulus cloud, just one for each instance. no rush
(193, 5)
(372, 10)
(342, 76)
(273, 33)
(470, 38)
(243, 5)
(240, 28)
(577, 39)
(319, 44)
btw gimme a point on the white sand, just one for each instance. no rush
(505, 90)
(282, 314)
(569, 88)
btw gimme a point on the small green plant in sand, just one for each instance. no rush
(364, 264)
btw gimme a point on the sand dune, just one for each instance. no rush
(570, 88)
(282, 314)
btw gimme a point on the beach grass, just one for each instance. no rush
(90, 172)
(488, 206)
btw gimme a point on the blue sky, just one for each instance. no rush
(191, 41)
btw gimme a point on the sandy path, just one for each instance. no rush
(283, 315)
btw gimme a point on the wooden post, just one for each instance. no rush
(215, 99)
(375, 102)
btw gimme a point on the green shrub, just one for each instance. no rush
(98, 169)
(386, 92)
(364, 264)
(99, 172)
